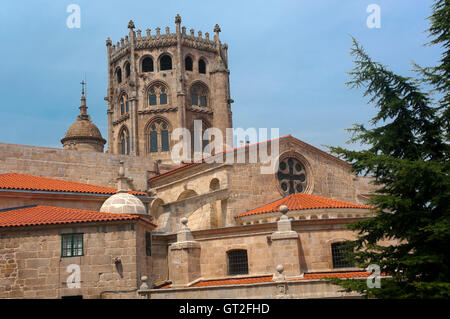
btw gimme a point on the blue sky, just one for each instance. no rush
(288, 60)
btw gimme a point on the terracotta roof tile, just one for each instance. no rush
(301, 201)
(46, 215)
(16, 181)
(233, 281)
(262, 279)
(353, 274)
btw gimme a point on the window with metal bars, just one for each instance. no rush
(237, 262)
(340, 252)
(71, 245)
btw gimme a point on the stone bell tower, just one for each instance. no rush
(158, 82)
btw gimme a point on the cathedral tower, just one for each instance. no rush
(161, 81)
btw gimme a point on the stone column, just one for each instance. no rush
(285, 246)
(184, 257)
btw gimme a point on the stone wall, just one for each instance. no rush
(85, 167)
(31, 265)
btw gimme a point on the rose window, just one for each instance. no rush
(291, 176)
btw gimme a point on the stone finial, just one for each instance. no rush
(284, 210)
(177, 19)
(183, 30)
(148, 32)
(139, 33)
(131, 25)
(217, 29)
(158, 31)
(207, 36)
(122, 41)
(167, 30)
(108, 42)
(192, 32)
(199, 34)
(278, 276)
(184, 221)
(144, 284)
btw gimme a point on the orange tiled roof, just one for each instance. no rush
(262, 279)
(233, 281)
(16, 181)
(354, 274)
(46, 215)
(300, 201)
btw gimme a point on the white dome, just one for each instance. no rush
(124, 203)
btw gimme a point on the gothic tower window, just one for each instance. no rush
(127, 70)
(124, 106)
(158, 136)
(165, 62)
(188, 65)
(199, 95)
(147, 64)
(291, 176)
(124, 141)
(157, 94)
(201, 66)
(119, 75)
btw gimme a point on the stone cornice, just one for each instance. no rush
(158, 110)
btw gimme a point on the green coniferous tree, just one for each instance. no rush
(407, 153)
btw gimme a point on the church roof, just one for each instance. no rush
(184, 166)
(83, 129)
(300, 201)
(46, 215)
(16, 181)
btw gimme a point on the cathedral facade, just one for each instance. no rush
(145, 226)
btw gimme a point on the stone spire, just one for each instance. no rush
(83, 107)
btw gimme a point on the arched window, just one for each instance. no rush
(188, 65)
(237, 262)
(158, 136)
(124, 107)
(124, 142)
(147, 64)
(201, 66)
(199, 95)
(165, 62)
(340, 252)
(127, 70)
(157, 94)
(119, 75)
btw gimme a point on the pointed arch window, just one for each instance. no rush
(147, 64)
(159, 136)
(158, 94)
(124, 104)
(124, 142)
(165, 62)
(119, 75)
(188, 65)
(127, 70)
(201, 66)
(199, 95)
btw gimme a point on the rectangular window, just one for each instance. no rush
(194, 99)
(163, 99)
(71, 245)
(165, 140)
(152, 99)
(153, 142)
(202, 100)
(148, 243)
(237, 262)
(340, 252)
